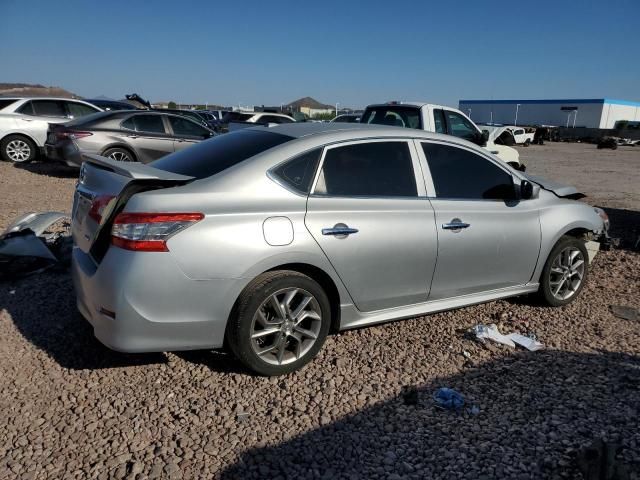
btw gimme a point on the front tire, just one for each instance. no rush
(18, 149)
(565, 272)
(279, 323)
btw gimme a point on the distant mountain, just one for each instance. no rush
(33, 90)
(308, 102)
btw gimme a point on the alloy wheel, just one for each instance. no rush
(566, 273)
(120, 156)
(286, 326)
(18, 150)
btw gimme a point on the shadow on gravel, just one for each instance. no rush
(49, 169)
(625, 225)
(43, 310)
(216, 361)
(537, 411)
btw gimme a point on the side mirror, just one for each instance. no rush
(528, 190)
(483, 138)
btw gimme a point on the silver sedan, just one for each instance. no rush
(266, 239)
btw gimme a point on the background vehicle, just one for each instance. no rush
(237, 120)
(439, 119)
(24, 123)
(347, 118)
(107, 105)
(270, 237)
(141, 136)
(521, 136)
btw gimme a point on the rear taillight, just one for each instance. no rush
(98, 205)
(149, 232)
(72, 134)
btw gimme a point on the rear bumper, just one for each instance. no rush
(68, 154)
(142, 302)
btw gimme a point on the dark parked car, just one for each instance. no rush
(128, 136)
(110, 104)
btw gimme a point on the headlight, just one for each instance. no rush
(603, 215)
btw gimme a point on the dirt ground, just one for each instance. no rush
(71, 408)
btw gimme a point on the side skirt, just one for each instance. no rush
(351, 317)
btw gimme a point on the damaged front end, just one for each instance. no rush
(35, 242)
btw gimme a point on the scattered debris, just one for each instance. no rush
(466, 354)
(30, 244)
(448, 399)
(598, 462)
(625, 312)
(242, 417)
(491, 332)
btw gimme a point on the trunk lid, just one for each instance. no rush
(103, 189)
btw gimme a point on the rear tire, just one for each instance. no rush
(565, 272)
(18, 149)
(119, 154)
(279, 322)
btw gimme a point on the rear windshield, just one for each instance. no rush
(217, 154)
(6, 103)
(393, 115)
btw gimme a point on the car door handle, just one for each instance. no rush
(455, 225)
(27, 119)
(132, 136)
(339, 231)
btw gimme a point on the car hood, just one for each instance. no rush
(561, 190)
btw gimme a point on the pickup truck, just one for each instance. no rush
(439, 119)
(520, 135)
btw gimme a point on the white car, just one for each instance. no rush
(238, 120)
(24, 123)
(520, 135)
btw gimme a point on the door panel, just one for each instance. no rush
(149, 147)
(389, 262)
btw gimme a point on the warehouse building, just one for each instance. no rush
(590, 112)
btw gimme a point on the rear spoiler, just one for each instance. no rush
(135, 170)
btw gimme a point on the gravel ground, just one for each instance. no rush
(73, 409)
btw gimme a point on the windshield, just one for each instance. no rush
(393, 115)
(217, 154)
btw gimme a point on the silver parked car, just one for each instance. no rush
(266, 239)
(125, 135)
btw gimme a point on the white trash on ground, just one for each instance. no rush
(491, 332)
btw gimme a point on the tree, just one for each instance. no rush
(172, 105)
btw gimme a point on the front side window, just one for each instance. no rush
(183, 127)
(393, 115)
(77, 110)
(49, 108)
(149, 123)
(460, 126)
(376, 169)
(298, 173)
(440, 124)
(461, 174)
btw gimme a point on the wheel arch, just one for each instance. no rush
(20, 134)
(123, 147)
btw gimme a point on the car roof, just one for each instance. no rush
(408, 104)
(44, 98)
(317, 129)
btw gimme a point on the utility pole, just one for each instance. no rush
(515, 123)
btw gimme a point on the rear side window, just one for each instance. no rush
(26, 109)
(298, 173)
(149, 123)
(461, 174)
(393, 115)
(376, 169)
(6, 103)
(49, 108)
(219, 153)
(440, 126)
(77, 110)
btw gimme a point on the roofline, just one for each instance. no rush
(600, 101)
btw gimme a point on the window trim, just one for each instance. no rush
(428, 178)
(417, 169)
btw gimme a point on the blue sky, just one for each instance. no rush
(354, 53)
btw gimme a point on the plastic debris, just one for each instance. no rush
(466, 354)
(530, 343)
(448, 399)
(625, 312)
(491, 332)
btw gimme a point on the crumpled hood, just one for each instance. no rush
(561, 190)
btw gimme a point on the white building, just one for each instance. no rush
(591, 113)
